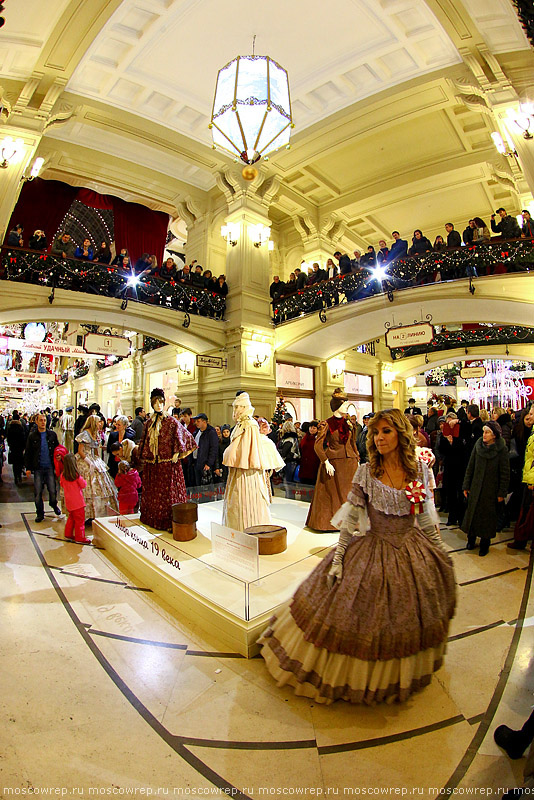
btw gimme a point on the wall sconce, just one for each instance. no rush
(411, 381)
(522, 118)
(500, 145)
(11, 152)
(259, 234)
(231, 232)
(258, 353)
(337, 367)
(185, 362)
(37, 167)
(388, 376)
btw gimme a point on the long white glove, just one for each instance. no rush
(330, 469)
(350, 524)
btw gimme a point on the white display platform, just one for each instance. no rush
(236, 611)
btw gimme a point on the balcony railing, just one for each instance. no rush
(43, 269)
(492, 258)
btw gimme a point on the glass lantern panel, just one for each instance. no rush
(228, 124)
(251, 119)
(252, 78)
(279, 87)
(224, 92)
(271, 130)
(281, 140)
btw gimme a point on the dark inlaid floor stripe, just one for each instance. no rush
(469, 755)
(173, 741)
(87, 577)
(211, 654)
(134, 640)
(225, 745)
(488, 577)
(476, 630)
(476, 719)
(396, 737)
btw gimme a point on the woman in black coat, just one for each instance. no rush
(288, 447)
(485, 485)
(16, 441)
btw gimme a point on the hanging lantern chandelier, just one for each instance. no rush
(251, 114)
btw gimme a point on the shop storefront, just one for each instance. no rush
(296, 384)
(359, 390)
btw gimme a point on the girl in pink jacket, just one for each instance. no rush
(127, 481)
(73, 485)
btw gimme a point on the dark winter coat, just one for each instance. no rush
(288, 447)
(32, 454)
(505, 421)
(486, 478)
(16, 440)
(208, 448)
(309, 460)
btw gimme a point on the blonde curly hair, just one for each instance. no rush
(406, 443)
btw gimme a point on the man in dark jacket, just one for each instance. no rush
(399, 248)
(277, 288)
(345, 266)
(208, 447)
(139, 422)
(301, 279)
(63, 246)
(474, 431)
(469, 232)
(83, 416)
(39, 459)
(361, 441)
(453, 237)
(527, 228)
(14, 238)
(412, 408)
(508, 227)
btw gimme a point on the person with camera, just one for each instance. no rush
(508, 226)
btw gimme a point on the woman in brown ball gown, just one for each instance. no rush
(335, 446)
(370, 623)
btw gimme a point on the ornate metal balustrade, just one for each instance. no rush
(478, 337)
(44, 269)
(492, 258)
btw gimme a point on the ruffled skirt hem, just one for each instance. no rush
(323, 676)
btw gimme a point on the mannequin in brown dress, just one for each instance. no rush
(335, 446)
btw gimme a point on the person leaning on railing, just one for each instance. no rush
(63, 246)
(508, 227)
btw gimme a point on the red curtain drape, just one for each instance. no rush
(139, 229)
(95, 200)
(41, 206)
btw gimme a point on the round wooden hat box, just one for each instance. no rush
(184, 518)
(272, 539)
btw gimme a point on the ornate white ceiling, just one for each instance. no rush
(160, 59)
(27, 28)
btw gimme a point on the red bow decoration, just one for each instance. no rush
(416, 494)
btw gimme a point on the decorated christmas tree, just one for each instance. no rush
(279, 411)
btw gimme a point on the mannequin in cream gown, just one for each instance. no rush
(247, 497)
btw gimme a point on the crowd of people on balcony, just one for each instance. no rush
(189, 275)
(476, 232)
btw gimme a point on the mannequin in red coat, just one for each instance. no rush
(164, 442)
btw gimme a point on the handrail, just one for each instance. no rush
(45, 269)
(473, 261)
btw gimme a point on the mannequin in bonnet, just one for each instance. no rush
(248, 456)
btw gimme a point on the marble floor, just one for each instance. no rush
(106, 691)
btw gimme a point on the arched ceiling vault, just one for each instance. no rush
(392, 124)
